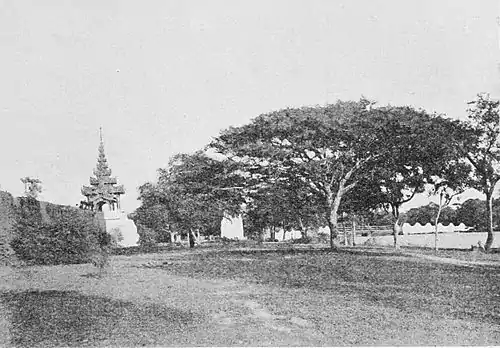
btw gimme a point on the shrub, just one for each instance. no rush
(323, 237)
(7, 254)
(66, 239)
(302, 240)
(116, 237)
(227, 240)
(147, 236)
(28, 210)
(100, 259)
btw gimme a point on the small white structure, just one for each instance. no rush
(115, 219)
(279, 235)
(232, 227)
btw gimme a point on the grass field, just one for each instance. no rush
(272, 296)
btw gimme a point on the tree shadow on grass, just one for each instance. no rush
(135, 250)
(304, 252)
(93, 275)
(68, 318)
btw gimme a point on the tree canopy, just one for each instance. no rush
(192, 194)
(329, 149)
(299, 167)
(415, 152)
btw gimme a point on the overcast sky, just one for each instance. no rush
(163, 77)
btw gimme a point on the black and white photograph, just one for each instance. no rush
(236, 173)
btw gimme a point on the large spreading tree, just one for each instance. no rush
(289, 165)
(329, 149)
(325, 148)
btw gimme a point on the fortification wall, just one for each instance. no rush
(7, 216)
(45, 211)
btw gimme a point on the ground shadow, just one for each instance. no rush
(93, 275)
(295, 251)
(135, 250)
(68, 318)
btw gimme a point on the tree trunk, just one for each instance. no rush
(395, 233)
(333, 201)
(395, 213)
(489, 220)
(333, 222)
(303, 230)
(353, 241)
(345, 233)
(273, 234)
(191, 238)
(171, 237)
(436, 221)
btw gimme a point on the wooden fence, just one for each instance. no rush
(368, 230)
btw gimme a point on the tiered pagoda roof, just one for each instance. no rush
(103, 187)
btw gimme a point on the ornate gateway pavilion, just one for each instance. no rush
(105, 191)
(103, 187)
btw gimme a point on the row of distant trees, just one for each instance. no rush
(471, 212)
(309, 166)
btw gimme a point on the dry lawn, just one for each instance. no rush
(254, 297)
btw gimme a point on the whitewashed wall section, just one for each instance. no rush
(232, 227)
(429, 228)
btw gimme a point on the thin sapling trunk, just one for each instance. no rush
(436, 221)
(396, 227)
(489, 220)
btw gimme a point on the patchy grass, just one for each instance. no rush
(69, 318)
(460, 254)
(386, 279)
(259, 295)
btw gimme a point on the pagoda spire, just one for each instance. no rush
(103, 187)
(102, 169)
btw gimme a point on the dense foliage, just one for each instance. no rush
(426, 214)
(191, 195)
(300, 168)
(344, 157)
(147, 236)
(471, 212)
(68, 237)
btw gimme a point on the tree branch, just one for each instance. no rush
(409, 199)
(358, 165)
(349, 187)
